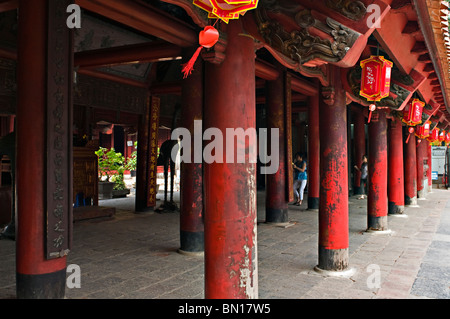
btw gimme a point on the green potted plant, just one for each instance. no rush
(132, 161)
(111, 167)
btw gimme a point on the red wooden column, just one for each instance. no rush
(360, 145)
(410, 170)
(230, 188)
(333, 202)
(377, 160)
(396, 191)
(421, 154)
(430, 167)
(313, 153)
(40, 273)
(276, 201)
(191, 180)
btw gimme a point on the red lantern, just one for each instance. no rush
(441, 136)
(226, 9)
(447, 138)
(434, 135)
(412, 113)
(423, 131)
(376, 78)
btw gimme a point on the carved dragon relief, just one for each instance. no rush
(351, 9)
(300, 45)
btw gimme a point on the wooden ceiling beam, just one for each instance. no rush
(135, 53)
(145, 18)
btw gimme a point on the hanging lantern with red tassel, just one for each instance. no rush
(226, 9)
(217, 9)
(412, 113)
(423, 131)
(207, 38)
(410, 131)
(375, 78)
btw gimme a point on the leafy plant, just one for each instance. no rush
(132, 160)
(111, 165)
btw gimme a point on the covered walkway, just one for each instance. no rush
(135, 256)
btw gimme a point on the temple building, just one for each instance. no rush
(334, 80)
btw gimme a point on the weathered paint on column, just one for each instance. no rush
(333, 203)
(313, 153)
(276, 203)
(230, 188)
(421, 154)
(410, 171)
(430, 168)
(36, 276)
(360, 146)
(191, 188)
(377, 163)
(396, 191)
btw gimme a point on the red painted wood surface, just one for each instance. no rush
(230, 188)
(377, 160)
(396, 192)
(31, 113)
(333, 204)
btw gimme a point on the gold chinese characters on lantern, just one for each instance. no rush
(375, 78)
(412, 113)
(225, 9)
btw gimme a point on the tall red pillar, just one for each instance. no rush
(360, 146)
(191, 179)
(230, 188)
(430, 168)
(421, 155)
(43, 106)
(333, 202)
(276, 200)
(410, 170)
(313, 153)
(377, 163)
(396, 191)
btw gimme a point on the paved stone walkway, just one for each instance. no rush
(135, 256)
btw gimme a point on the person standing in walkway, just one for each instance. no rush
(300, 177)
(364, 174)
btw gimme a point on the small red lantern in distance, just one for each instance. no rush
(412, 113)
(447, 138)
(441, 136)
(434, 135)
(375, 78)
(423, 131)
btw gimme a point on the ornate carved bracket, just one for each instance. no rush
(351, 9)
(328, 95)
(302, 46)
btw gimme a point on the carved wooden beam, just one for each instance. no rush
(145, 18)
(135, 53)
(7, 5)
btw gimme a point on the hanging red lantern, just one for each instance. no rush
(447, 138)
(434, 135)
(375, 78)
(226, 9)
(207, 38)
(423, 131)
(412, 113)
(410, 131)
(441, 136)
